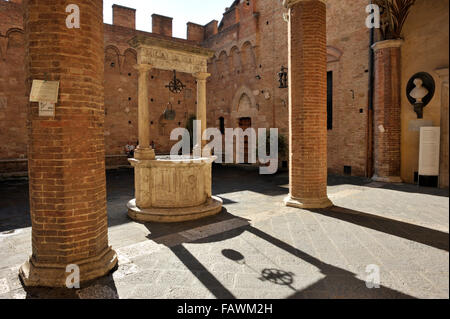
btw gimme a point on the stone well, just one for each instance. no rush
(173, 189)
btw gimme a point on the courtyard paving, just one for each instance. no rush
(257, 248)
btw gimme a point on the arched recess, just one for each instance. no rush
(222, 62)
(13, 93)
(333, 54)
(112, 55)
(14, 30)
(244, 104)
(248, 56)
(212, 66)
(16, 41)
(236, 63)
(246, 93)
(129, 61)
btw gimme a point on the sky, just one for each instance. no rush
(182, 11)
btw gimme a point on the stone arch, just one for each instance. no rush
(112, 56)
(236, 62)
(212, 66)
(131, 54)
(13, 45)
(222, 62)
(333, 54)
(244, 104)
(129, 60)
(243, 91)
(15, 38)
(248, 56)
(13, 30)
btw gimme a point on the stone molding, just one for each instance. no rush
(396, 43)
(143, 67)
(443, 74)
(36, 274)
(170, 55)
(308, 203)
(202, 76)
(290, 3)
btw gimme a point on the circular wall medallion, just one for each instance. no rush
(427, 82)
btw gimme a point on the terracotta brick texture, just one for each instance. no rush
(125, 17)
(308, 92)
(162, 25)
(387, 109)
(251, 47)
(67, 152)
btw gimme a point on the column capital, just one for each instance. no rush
(395, 43)
(201, 75)
(143, 67)
(443, 74)
(290, 3)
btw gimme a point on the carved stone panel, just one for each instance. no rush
(166, 59)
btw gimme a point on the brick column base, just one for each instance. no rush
(36, 274)
(307, 104)
(387, 110)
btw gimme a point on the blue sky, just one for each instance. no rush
(182, 11)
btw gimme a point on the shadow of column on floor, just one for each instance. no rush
(341, 283)
(203, 275)
(419, 234)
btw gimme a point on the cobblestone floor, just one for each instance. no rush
(257, 248)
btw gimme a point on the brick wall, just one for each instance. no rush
(195, 32)
(162, 25)
(249, 54)
(121, 103)
(13, 134)
(120, 97)
(125, 17)
(262, 33)
(244, 63)
(348, 56)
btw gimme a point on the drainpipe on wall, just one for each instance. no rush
(369, 160)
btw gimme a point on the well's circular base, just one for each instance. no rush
(173, 215)
(308, 203)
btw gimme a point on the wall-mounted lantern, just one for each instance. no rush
(283, 78)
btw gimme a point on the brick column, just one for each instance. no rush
(67, 152)
(307, 104)
(387, 109)
(201, 106)
(144, 150)
(443, 178)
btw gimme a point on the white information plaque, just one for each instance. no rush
(44, 91)
(46, 109)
